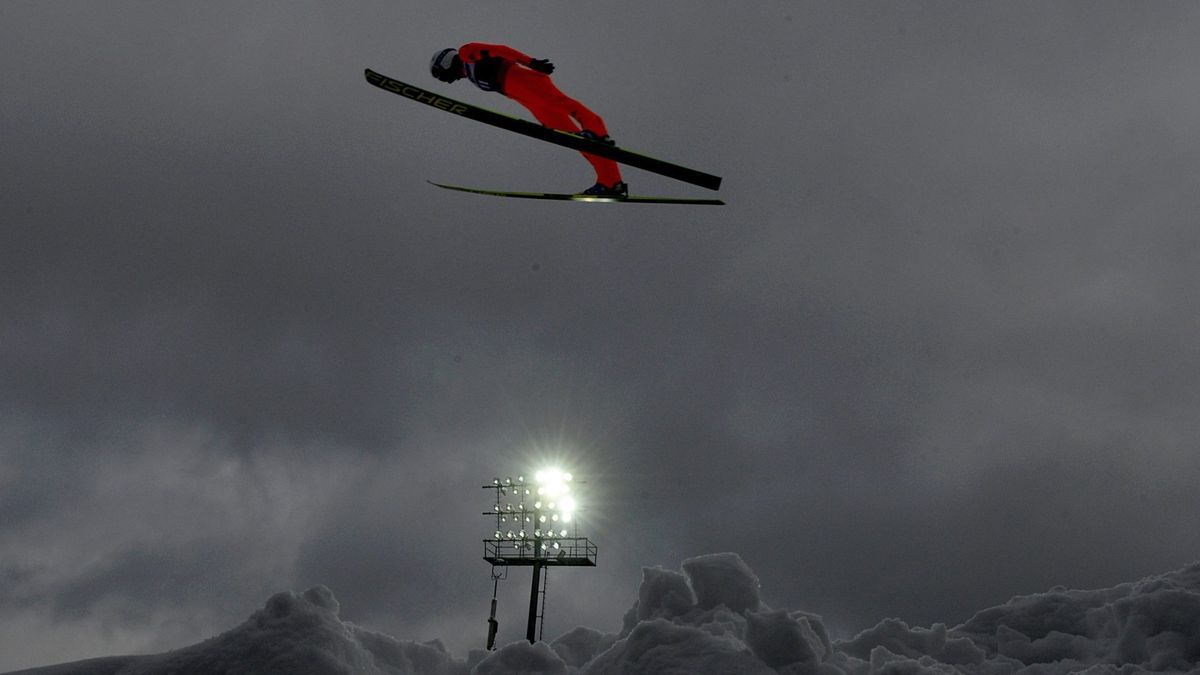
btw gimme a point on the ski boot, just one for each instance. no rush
(618, 191)
(593, 136)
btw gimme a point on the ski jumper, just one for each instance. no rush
(504, 70)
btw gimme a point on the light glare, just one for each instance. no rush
(553, 482)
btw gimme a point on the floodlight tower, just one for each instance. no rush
(535, 527)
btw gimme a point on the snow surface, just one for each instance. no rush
(708, 619)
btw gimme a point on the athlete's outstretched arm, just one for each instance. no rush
(474, 51)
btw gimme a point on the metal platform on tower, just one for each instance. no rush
(566, 552)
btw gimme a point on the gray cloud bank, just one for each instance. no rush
(709, 619)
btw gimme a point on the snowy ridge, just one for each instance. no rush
(707, 619)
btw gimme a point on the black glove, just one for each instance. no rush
(542, 66)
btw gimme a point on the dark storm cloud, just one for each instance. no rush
(948, 316)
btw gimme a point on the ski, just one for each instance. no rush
(538, 131)
(582, 198)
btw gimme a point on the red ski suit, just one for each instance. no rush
(538, 94)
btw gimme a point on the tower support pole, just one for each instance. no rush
(531, 627)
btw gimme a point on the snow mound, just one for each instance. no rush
(1153, 624)
(708, 619)
(722, 579)
(294, 635)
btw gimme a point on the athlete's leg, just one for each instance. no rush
(586, 118)
(556, 110)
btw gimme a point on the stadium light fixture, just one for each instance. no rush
(544, 505)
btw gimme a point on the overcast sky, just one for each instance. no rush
(939, 349)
